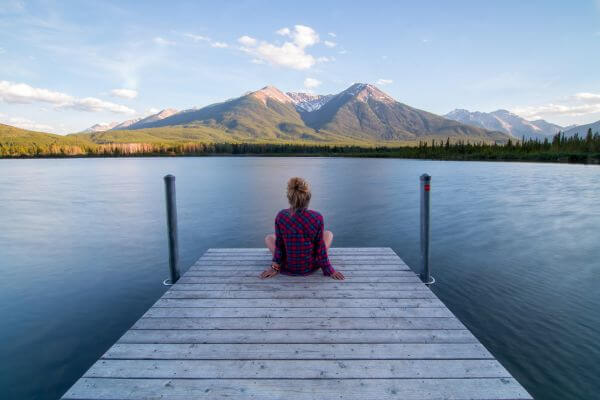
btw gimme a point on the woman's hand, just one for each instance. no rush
(338, 275)
(269, 273)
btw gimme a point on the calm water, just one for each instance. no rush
(515, 251)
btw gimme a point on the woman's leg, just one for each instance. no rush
(328, 238)
(270, 242)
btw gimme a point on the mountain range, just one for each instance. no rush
(507, 122)
(361, 113)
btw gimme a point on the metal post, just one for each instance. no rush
(172, 227)
(425, 188)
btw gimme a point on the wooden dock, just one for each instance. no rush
(221, 332)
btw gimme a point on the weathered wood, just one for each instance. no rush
(332, 250)
(302, 294)
(298, 389)
(298, 336)
(254, 273)
(221, 332)
(261, 312)
(298, 323)
(196, 277)
(189, 299)
(301, 369)
(301, 351)
(365, 264)
(314, 286)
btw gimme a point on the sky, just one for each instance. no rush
(67, 65)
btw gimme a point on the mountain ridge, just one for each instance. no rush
(506, 122)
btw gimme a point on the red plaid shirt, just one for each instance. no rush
(299, 245)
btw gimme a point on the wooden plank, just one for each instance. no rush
(304, 369)
(331, 284)
(253, 273)
(286, 279)
(332, 250)
(301, 294)
(298, 389)
(250, 263)
(260, 312)
(189, 299)
(297, 336)
(298, 323)
(263, 257)
(300, 351)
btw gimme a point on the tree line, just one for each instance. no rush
(560, 148)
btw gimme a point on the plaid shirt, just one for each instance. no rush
(299, 245)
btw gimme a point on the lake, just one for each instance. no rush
(83, 251)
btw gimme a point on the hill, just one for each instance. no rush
(507, 122)
(17, 141)
(582, 130)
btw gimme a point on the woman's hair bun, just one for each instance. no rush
(298, 193)
(298, 184)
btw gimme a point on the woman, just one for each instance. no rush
(300, 243)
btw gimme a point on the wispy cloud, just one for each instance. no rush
(124, 93)
(219, 45)
(291, 54)
(384, 82)
(329, 43)
(576, 105)
(162, 41)
(196, 38)
(332, 34)
(311, 83)
(23, 93)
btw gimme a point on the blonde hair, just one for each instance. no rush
(298, 193)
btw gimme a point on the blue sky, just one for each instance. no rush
(67, 65)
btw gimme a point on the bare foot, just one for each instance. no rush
(268, 273)
(338, 276)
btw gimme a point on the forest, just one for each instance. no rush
(559, 148)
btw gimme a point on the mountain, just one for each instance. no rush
(507, 122)
(101, 127)
(362, 113)
(307, 102)
(582, 130)
(147, 121)
(126, 124)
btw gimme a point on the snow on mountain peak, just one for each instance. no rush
(307, 101)
(271, 92)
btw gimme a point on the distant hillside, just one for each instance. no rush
(17, 141)
(360, 113)
(583, 129)
(506, 122)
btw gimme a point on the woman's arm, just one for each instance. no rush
(320, 252)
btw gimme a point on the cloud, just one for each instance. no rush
(311, 83)
(325, 59)
(219, 45)
(573, 106)
(329, 44)
(162, 41)
(291, 54)
(124, 93)
(22, 93)
(342, 51)
(383, 82)
(196, 38)
(247, 41)
(2, 50)
(25, 123)
(93, 104)
(331, 34)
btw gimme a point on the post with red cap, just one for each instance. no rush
(172, 229)
(425, 193)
